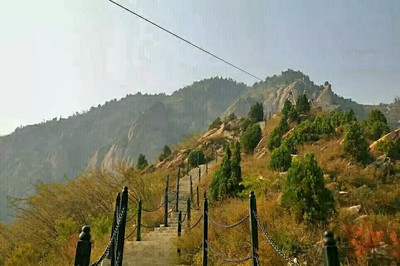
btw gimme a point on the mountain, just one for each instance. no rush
(142, 123)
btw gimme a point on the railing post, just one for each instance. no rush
(206, 166)
(111, 254)
(253, 227)
(331, 254)
(179, 223)
(166, 202)
(199, 173)
(205, 231)
(177, 190)
(197, 196)
(188, 210)
(83, 248)
(121, 231)
(139, 221)
(191, 187)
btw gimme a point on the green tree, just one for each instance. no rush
(355, 146)
(141, 162)
(251, 137)
(376, 124)
(234, 187)
(349, 117)
(281, 159)
(302, 104)
(165, 153)
(323, 125)
(215, 124)
(274, 139)
(196, 157)
(289, 111)
(219, 182)
(257, 112)
(305, 194)
(390, 147)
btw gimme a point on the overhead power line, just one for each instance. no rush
(183, 39)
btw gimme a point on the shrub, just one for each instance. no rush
(376, 124)
(302, 104)
(281, 159)
(196, 157)
(215, 124)
(141, 162)
(165, 153)
(257, 112)
(251, 137)
(355, 145)
(305, 194)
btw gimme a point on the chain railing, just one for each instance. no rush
(228, 225)
(219, 256)
(273, 244)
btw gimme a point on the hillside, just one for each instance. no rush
(364, 196)
(122, 129)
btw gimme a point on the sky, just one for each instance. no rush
(58, 57)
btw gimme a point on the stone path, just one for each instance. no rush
(157, 247)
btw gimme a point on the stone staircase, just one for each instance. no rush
(157, 247)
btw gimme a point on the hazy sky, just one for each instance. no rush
(62, 56)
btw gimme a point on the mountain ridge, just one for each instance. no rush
(143, 123)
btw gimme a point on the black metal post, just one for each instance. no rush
(177, 190)
(191, 187)
(199, 173)
(111, 254)
(188, 210)
(121, 232)
(205, 232)
(179, 223)
(83, 247)
(331, 254)
(166, 202)
(253, 227)
(139, 221)
(206, 166)
(197, 196)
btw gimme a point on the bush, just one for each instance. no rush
(215, 124)
(196, 157)
(281, 159)
(355, 145)
(251, 137)
(165, 153)
(257, 112)
(141, 162)
(302, 105)
(305, 194)
(389, 147)
(376, 124)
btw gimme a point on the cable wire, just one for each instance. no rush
(183, 39)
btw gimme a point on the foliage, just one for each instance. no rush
(303, 105)
(274, 139)
(226, 180)
(376, 124)
(196, 157)
(281, 159)
(165, 153)
(355, 146)
(289, 111)
(257, 112)
(215, 124)
(305, 194)
(230, 117)
(251, 137)
(323, 125)
(390, 147)
(141, 162)
(246, 123)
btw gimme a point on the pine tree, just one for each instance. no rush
(234, 186)
(251, 137)
(305, 194)
(376, 124)
(257, 112)
(302, 104)
(165, 153)
(196, 157)
(281, 159)
(355, 146)
(141, 162)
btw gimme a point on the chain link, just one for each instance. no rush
(131, 233)
(112, 240)
(228, 225)
(155, 209)
(198, 221)
(272, 243)
(236, 261)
